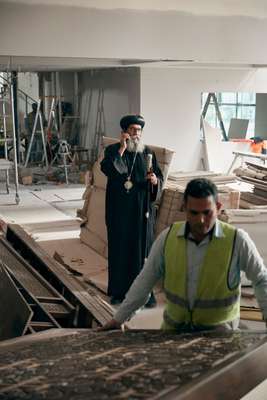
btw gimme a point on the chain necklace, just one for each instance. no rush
(128, 184)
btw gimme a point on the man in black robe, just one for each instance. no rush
(134, 183)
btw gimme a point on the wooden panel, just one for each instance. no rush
(227, 381)
(74, 291)
(15, 314)
(133, 365)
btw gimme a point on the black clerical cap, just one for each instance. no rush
(128, 120)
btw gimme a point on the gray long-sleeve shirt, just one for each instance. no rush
(245, 258)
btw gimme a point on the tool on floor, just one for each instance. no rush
(63, 156)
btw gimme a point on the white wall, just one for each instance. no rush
(171, 105)
(67, 86)
(54, 31)
(28, 83)
(121, 96)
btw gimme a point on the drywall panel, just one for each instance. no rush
(218, 153)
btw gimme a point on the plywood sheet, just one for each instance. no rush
(30, 210)
(94, 233)
(81, 258)
(53, 230)
(69, 207)
(94, 241)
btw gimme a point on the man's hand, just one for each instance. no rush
(152, 178)
(110, 325)
(123, 142)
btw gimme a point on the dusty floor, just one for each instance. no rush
(48, 214)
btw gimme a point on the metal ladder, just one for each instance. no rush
(100, 126)
(39, 117)
(212, 96)
(7, 99)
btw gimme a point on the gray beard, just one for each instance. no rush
(135, 145)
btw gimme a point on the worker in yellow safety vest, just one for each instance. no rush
(200, 262)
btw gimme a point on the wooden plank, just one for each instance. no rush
(257, 166)
(15, 314)
(257, 182)
(37, 279)
(251, 315)
(33, 382)
(118, 375)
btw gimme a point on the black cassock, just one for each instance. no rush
(130, 233)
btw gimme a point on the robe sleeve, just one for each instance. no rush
(113, 164)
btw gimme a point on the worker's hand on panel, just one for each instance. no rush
(110, 325)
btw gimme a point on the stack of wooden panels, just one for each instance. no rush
(184, 177)
(256, 176)
(93, 231)
(171, 205)
(249, 307)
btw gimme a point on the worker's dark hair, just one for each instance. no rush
(200, 188)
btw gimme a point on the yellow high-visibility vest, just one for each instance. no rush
(216, 303)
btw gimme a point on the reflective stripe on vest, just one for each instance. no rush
(215, 302)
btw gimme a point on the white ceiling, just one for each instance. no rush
(20, 51)
(43, 64)
(252, 8)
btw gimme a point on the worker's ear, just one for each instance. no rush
(218, 206)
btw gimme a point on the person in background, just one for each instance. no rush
(133, 186)
(258, 145)
(200, 261)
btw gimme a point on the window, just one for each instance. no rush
(232, 105)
